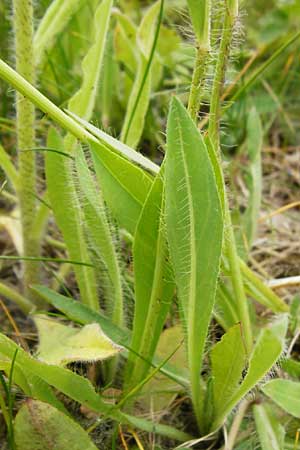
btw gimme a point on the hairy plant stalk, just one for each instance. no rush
(23, 29)
(198, 81)
(200, 12)
(218, 83)
(231, 11)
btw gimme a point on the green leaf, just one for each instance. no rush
(84, 315)
(38, 425)
(267, 350)
(154, 287)
(80, 389)
(32, 385)
(225, 309)
(140, 94)
(124, 186)
(270, 431)
(292, 367)
(284, 393)
(61, 344)
(195, 232)
(200, 15)
(160, 391)
(65, 205)
(54, 21)
(8, 168)
(82, 103)
(254, 179)
(101, 237)
(228, 359)
(125, 42)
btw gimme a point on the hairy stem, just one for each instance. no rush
(198, 80)
(214, 132)
(23, 29)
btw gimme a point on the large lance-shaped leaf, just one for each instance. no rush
(195, 232)
(270, 431)
(228, 359)
(38, 425)
(153, 282)
(200, 15)
(286, 394)
(101, 238)
(64, 201)
(266, 352)
(54, 21)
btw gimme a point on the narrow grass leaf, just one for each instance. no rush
(195, 233)
(284, 393)
(270, 431)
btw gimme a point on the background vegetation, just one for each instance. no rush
(149, 274)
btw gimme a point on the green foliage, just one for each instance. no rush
(285, 393)
(270, 431)
(193, 211)
(154, 287)
(228, 359)
(143, 231)
(65, 205)
(101, 238)
(39, 425)
(54, 21)
(267, 350)
(60, 344)
(200, 14)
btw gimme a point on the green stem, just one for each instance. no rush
(42, 102)
(221, 65)
(198, 81)
(23, 28)
(11, 294)
(214, 133)
(257, 287)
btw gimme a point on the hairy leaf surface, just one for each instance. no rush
(195, 232)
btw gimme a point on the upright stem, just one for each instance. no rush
(214, 132)
(198, 81)
(218, 83)
(23, 29)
